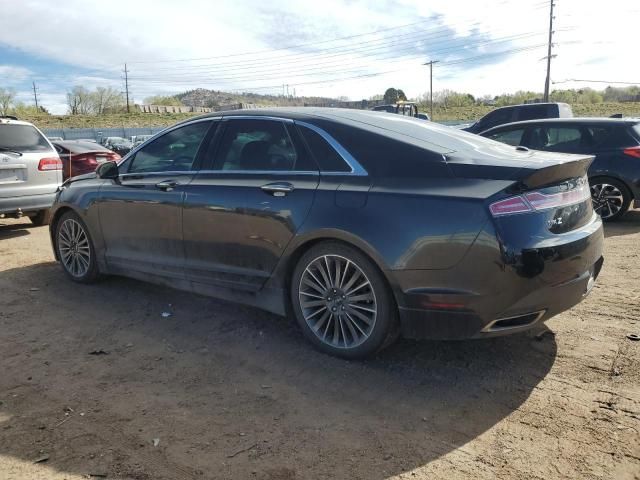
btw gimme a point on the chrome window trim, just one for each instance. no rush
(256, 117)
(262, 172)
(356, 168)
(158, 173)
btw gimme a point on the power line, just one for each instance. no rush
(596, 81)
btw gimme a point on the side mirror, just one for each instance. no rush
(108, 170)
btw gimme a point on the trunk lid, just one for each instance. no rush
(529, 169)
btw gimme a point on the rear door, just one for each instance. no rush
(241, 214)
(29, 166)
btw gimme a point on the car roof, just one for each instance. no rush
(11, 121)
(570, 121)
(438, 138)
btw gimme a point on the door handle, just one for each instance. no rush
(167, 185)
(279, 189)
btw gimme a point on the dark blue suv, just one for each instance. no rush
(614, 174)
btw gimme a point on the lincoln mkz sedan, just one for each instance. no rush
(362, 225)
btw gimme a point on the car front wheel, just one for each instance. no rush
(342, 301)
(75, 249)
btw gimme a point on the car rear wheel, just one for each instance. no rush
(75, 249)
(611, 198)
(342, 301)
(40, 218)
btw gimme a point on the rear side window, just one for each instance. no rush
(22, 138)
(495, 118)
(510, 137)
(259, 145)
(535, 112)
(557, 139)
(325, 155)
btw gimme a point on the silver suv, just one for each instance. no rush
(30, 171)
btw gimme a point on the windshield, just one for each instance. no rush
(22, 138)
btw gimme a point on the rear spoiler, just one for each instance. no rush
(536, 178)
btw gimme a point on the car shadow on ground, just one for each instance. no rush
(230, 391)
(629, 223)
(12, 230)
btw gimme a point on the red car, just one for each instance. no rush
(82, 156)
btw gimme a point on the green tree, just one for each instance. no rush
(7, 96)
(390, 95)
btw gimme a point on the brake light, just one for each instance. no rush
(52, 163)
(536, 201)
(632, 151)
(509, 206)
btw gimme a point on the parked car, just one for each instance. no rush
(120, 145)
(138, 139)
(407, 109)
(360, 224)
(80, 157)
(517, 113)
(30, 171)
(614, 174)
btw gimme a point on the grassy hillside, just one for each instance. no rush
(164, 119)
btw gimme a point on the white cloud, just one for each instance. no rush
(593, 42)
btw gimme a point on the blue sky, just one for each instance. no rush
(334, 48)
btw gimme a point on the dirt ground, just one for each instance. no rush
(95, 383)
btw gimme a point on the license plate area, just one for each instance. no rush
(12, 175)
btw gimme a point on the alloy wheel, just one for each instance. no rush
(607, 199)
(337, 301)
(73, 246)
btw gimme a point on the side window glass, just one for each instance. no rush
(326, 156)
(256, 145)
(564, 139)
(495, 118)
(510, 137)
(532, 113)
(174, 151)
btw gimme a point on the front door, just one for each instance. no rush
(240, 215)
(141, 212)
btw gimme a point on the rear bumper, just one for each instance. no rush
(27, 203)
(496, 294)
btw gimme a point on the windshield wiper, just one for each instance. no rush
(4, 149)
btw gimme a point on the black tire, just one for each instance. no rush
(611, 198)
(41, 218)
(345, 334)
(69, 242)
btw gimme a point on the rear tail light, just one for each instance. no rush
(536, 201)
(632, 151)
(52, 163)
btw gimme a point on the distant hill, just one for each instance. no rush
(202, 97)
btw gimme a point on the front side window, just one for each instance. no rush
(174, 151)
(510, 137)
(257, 145)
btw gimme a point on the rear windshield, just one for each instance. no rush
(22, 138)
(82, 147)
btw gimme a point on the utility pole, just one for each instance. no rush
(430, 63)
(547, 80)
(35, 94)
(126, 84)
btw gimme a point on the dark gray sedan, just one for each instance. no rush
(362, 225)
